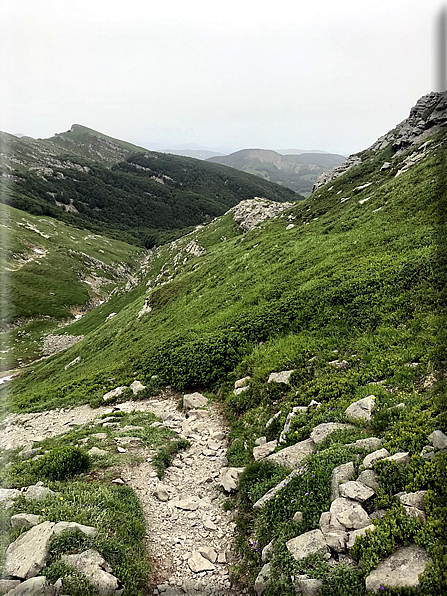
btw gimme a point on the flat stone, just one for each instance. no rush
(415, 499)
(349, 514)
(402, 458)
(101, 436)
(353, 535)
(161, 492)
(198, 414)
(24, 520)
(307, 544)
(280, 377)
(97, 452)
(356, 491)
(263, 450)
(399, 570)
(198, 563)
(26, 556)
(369, 478)
(35, 586)
(228, 478)
(361, 409)
(209, 525)
(292, 456)
(260, 584)
(369, 444)
(320, 432)
(306, 586)
(114, 393)
(136, 387)
(221, 557)
(209, 553)
(63, 526)
(371, 458)
(97, 571)
(188, 504)
(438, 439)
(194, 400)
(340, 474)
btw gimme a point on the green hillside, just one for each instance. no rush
(346, 291)
(297, 172)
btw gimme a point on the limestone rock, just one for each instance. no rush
(161, 492)
(280, 377)
(306, 586)
(6, 585)
(263, 450)
(97, 571)
(267, 552)
(260, 584)
(399, 570)
(307, 544)
(63, 526)
(198, 563)
(325, 522)
(7, 496)
(415, 499)
(190, 504)
(438, 439)
(101, 436)
(240, 390)
(369, 478)
(35, 586)
(26, 556)
(336, 540)
(349, 514)
(260, 441)
(339, 475)
(272, 492)
(402, 458)
(194, 400)
(298, 517)
(371, 458)
(415, 513)
(292, 456)
(353, 535)
(228, 478)
(77, 360)
(114, 393)
(361, 409)
(209, 553)
(356, 491)
(23, 520)
(37, 492)
(97, 452)
(251, 212)
(369, 444)
(343, 365)
(242, 382)
(136, 387)
(320, 432)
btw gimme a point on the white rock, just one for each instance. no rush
(355, 533)
(114, 393)
(399, 570)
(263, 450)
(438, 439)
(361, 409)
(371, 458)
(356, 491)
(280, 377)
(136, 387)
(320, 432)
(194, 400)
(198, 563)
(307, 544)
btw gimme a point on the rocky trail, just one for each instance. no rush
(189, 535)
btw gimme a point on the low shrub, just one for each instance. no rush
(63, 462)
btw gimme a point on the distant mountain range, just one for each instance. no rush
(297, 172)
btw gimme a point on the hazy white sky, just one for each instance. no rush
(323, 74)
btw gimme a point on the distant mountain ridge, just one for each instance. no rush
(297, 172)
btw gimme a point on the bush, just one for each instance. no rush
(63, 462)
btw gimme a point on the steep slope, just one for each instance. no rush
(297, 172)
(142, 197)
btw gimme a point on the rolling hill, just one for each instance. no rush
(298, 172)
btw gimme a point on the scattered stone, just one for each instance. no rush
(369, 444)
(272, 419)
(260, 584)
(292, 456)
(339, 475)
(118, 481)
(280, 377)
(371, 458)
(438, 439)
(343, 365)
(307, 544)
(194, 400)
(136, 387)
(386, 166)
(221, 557)
(97, 571)
(263, 450)
(261, 441)
(209, 525)
(209, 553)
(402, 459)
(361, 409)
(228, 478)
(197, 563)
(191, 504)
(415, 499)
(26, 556)
(399, 570)
(121, 449)
(298, 517)
(369, 478)
(161, 492)
(35, 586)
(240, 390)
(336, 540)
(356, 491)
(101, 436)
(37, 492)
(242, 382)
(307, 586)
(353, 535)
(73, 363)
(97, 452)
(198, 414)
(23, 520)
(428, 452)
(349, 514)
(320, 432)
(7, 496)
(267, 552)
(114, 393)
(272, 492)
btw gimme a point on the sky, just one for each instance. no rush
(228, 75)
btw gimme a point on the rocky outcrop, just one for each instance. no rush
(307, 544)
(399, 570)
(251, 212)
(292, 456)
(97, 571)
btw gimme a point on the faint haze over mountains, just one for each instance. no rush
(324, 75)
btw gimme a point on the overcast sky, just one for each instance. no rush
(323, 74)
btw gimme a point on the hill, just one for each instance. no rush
(297, 172)
(108, 186)
(320, 333)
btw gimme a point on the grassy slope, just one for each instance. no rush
(360, 281)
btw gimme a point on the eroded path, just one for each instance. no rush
(189, 535)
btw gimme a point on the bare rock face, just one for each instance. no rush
(26, 556)
(399, 570)
(307, 544)
(361, 409)
(97, 571)
(251, 212)
(194, 400)
(263, 450)
(292, 456)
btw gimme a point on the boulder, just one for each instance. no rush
(198, 563)
(209, 553)
(101, 436)
(371, 458)
(292, 456)
(306, 586)
(369, 478)
(37, 492)
(280, 377)
(320, 432)
(339, 475)
(353, 535)
(349, 514)
(161, 492)
(97, 452)
(402, 459)
(369, 444)
(63, 525)
(307, 544)
(24, 520)
(267, 552)
(35, 586)
(336, 540)
(136, 387)
(438, 439)
(228, 478)
(113, 393)
(399, 570)
(194, 400)
(7, 496)
(260, 584)
(361, 409)
(26, 556)
(97, 571)
(415, 499)
(242, 382)
(356, 491)
(263, 450)
(6, 585)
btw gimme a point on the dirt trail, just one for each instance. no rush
(183, 512)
